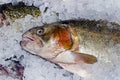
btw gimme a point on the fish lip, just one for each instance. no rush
(26, 38)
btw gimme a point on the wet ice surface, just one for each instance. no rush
(39, 69)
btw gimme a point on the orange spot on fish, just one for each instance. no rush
(63, 37)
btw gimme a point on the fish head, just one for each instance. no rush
(46, 41)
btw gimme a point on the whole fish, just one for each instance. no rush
(72, 42)
(20, 10)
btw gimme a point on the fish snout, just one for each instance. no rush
(29, 39)
(26, 38)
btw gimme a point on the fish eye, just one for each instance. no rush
(40, 31)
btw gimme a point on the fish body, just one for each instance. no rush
(97, 37)
(73, 42)
(17, 11)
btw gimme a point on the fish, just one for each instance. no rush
(72, 42)
(17, 11)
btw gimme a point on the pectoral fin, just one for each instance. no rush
(87, 58)
(69, 57)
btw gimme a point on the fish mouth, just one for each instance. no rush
(26, 40)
